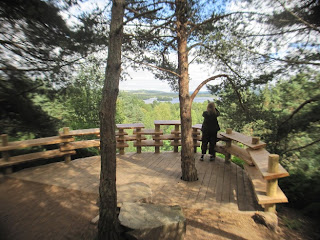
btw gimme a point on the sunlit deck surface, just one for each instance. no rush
(219, 183)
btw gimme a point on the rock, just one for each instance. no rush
(131, 192)
(151, 222)
(268, 219)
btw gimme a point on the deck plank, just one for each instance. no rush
(212, 186)
(219, 186)
(240, 189)
(225, 198)
(233, 184)
(204, 185)
(161, 172)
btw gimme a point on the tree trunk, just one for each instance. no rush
(108, 226)
(189, 171)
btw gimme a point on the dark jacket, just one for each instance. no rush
(210, 123)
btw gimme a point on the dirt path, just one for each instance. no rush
(34, 211)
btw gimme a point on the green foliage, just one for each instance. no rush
(238, 161)
(286, 116)
(37, 51)
(293, 224)
(19, 115)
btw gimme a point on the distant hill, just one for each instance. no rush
(146, 94)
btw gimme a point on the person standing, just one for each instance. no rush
(210, 128)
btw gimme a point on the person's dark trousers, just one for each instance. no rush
(210, 138)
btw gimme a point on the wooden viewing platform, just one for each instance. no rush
(220, 184)
(263, 168)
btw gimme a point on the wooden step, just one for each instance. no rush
(197, 126)
(34, 156)
(130, 126)
(246, 140)
(166, 137)
(198, 144)
(199, 138)
(121, 133)
(260, 159)
(122, 145)
(167, 122)
(260, 186)
(175, 132)
(148, 132)
(148, 143)
(35, 142)
(175, 144)
(130, 138)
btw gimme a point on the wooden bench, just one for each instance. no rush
(175, 134)
(121, 139)
(246, 140)
(144, 142)
(262, 168)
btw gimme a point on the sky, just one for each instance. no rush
(144, 79)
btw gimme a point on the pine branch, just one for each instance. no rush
(299, 108)
(153, 66)
(137, 14)
(298, 18)
(40, 69)
(279, 59)
(194, 94)
(299, 148)
(274, 34)
(217, 18)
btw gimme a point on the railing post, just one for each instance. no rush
(67, 158)
(195, 139)
(138, 133)
(229, 130)
(157, 140)
(176, 134)
(5, 142)
(227, 157)
(6, 154)
(121, 141)
(255, 140)
(272, 184)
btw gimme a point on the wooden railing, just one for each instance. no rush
(262, 167)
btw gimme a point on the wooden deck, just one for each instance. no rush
(219, 184)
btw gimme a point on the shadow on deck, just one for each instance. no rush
(219, 184)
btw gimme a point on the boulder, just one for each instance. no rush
(150, 222)
(130, 192)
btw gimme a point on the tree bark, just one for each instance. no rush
(189, 171)
(108, 226)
